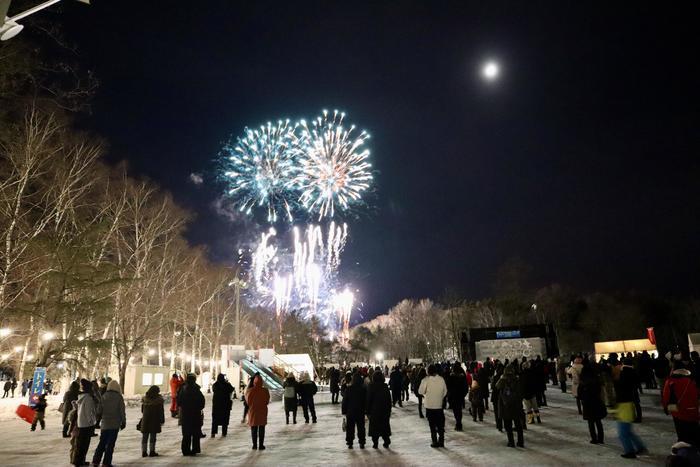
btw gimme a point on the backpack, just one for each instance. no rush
(290, 392)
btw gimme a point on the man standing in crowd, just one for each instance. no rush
(433, 389)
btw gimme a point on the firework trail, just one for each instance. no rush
(261, 167)
(302, 277)
(333, 171)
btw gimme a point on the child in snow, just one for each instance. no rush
(39, 409)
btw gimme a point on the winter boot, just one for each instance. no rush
(539, 420)
(530, 418)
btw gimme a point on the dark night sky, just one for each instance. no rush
(582, 160)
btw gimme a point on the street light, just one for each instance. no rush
(379, 356)
(4, 332)
(18, 348)
(151, 352)
(9, 27)
(48, 335)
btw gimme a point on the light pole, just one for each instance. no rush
(9, 27)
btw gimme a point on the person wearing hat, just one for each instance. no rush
(113, 420)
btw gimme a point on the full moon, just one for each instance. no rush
(490, 70)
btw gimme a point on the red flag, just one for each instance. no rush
(651, 336)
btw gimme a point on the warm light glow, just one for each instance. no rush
(48, 335)
(59, 366)
(168, 354)
(4, 332)
(18, 348)
(29, 358)
(491, 70)
(151, 352)
(379, 356)
(81, 338)
(4, 356)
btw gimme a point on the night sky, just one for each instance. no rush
(582, 159)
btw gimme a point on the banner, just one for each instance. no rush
(37, 388)
(651, 336)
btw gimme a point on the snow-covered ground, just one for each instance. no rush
(562, 439)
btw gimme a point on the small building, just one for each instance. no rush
(139, 378)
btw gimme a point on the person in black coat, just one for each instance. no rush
(221, 405)
(354, 407)
(307, 390)
(589, 392)
(482, 377)
(334, 384)
(510, 404)
(291, 397)
(152, 418)
(71, 395)
(379, 410)
(191, 403)
(396, 385)
(457, 390)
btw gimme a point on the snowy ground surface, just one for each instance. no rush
(562, 439)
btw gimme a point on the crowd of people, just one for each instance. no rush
(514, 390)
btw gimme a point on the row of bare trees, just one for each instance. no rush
(94, 269)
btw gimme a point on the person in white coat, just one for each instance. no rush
(575, 372)
(434, 390)
(86, 420)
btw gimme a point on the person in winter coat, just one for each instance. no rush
(379, 410)
(334, 380)
(354, 408)
(190, 401)
(476, 403)
(396, 386)
(561, 373)
(113, 420)
(221, 404)
(73, 431)
(25, 388)
(419, 379)
(625, 389)
(575, 372)
(39, 411)
(680, 398)
(291, 397)
(13, 386)
(434, 390)
(530, 386)
(457, 390)
(307, 390)
(510, 405)
(70, 395)
(175, 385)
(6, 389)
(405, 385)
(152, 419)
(662, 369)
(482, 376)
(590, 394)
(258, 398)
(498, 372)
(347, 381)
(86, 413)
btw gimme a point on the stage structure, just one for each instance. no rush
(511, 342)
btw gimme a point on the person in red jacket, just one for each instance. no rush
(175, 383)
(680, 398)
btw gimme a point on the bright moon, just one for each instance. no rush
(490, 70)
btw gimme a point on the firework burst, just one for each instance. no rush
(261, 167)
(333, 167)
